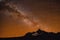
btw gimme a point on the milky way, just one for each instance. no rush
(18, 17)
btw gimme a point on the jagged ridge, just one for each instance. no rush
(38, 35)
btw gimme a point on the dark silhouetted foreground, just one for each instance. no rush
(38, 35)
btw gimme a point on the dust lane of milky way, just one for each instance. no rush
(21, 16)
(9, 23)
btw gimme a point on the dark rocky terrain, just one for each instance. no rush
(38, 35)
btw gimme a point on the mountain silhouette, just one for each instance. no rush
(38, 35)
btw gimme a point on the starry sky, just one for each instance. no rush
(17, 17)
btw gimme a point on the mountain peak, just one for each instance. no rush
(38, 35)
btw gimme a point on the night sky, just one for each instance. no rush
(17, 17)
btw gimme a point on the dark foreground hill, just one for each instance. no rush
(38, 35)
